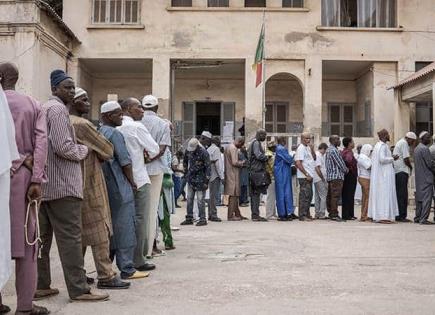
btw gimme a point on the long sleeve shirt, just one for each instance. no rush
(215, 159)
(350, 161)
(257, 158)
(64, 154)
(30, 133)
(198, 168)
(335, 166)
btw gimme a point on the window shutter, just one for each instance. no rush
(228, 122)
(188, 120)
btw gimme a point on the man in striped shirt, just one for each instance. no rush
(335, 171)
(62, 196)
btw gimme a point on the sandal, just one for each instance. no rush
(36, 310)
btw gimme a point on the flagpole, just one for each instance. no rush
(263, 96)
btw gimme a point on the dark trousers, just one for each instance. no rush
(177, 186)
(64, 218)
(402, 194)
(243, 194)
(305, 197)
(335, 188)
(183, 187)
(200, 195)
(348, 196)
(255, 203)
(214, 186)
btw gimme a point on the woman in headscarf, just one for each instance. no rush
(364, 170)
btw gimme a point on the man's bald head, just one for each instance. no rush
(334, 140)
(132, 107)
(8, 75)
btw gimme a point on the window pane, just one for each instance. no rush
(118, 11)
(349, 16)
(335, 113)
(269, 127)
(386, 13)
(331, 12)
(127, 10)
(347, 130)
(367, 13)
(269, 113)
(282, 128)
(218, 3)
(335, 130)
(103, 11)
(292, 3)
(255, 3)
(181, 3)
(96, 17)
(348, 114)
(281, 113)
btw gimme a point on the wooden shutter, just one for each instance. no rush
(189, 121)
(228, 120)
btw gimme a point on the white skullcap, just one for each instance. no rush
(192, 144)
(411, 135)
(422, 134)
(206, 134)
(80, 92)
(149, 101)
(110, 106)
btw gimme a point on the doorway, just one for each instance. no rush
(208, 117)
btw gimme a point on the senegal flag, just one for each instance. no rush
(259, 55)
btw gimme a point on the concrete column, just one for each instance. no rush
(433, 106)
(401, 117)
(237, 3)
(313, 97)
(161, 83)
(253, 102)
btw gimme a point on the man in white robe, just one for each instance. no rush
(383, 201)
(9, 153)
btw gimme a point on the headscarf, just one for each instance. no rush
(366, 150)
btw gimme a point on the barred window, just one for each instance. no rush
(255, 3)
(181, 3)
(292, 3)
(115, 11)
(218, 3)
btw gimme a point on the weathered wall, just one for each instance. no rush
(290, 92)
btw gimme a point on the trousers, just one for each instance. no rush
(214, 186)
(271, 200)
(365, 189)
(200, 195)
(348, 196)
(151, 207)
(103, 264)
(320, 195)
(165, 225)
(140, 224)
(305, 197)
(63, 218)
(334, 193)
(402, 194)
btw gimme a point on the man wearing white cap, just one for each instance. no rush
(403, 168)
(120, 186)
(161, 133)
(424, 176)
(96, 220)
(216, 174)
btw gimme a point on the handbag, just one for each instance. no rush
(260, 179)
(167, 183)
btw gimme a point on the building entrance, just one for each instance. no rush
(208, 117)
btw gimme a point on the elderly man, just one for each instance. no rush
(259, 177)
(403, 168)
(62, 196)
(140, 144)
(335, 171)
(424, 178)
(30, 136)
(305, 162)
(383, 200)
(197, 164)
(96, 221)
(232, 178)
(216, 176)
(120, 186)
(161, 133)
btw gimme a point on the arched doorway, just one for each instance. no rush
(284, 105)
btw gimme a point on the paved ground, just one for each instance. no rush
(320, 267)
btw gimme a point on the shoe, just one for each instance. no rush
(177, 206)
(158, 252)
(172, 247)
(91, 297)
(272, 217)
(36, 310)
(135, 275)
(258, 219)
(305, 218)
(353, 218)
(426, 222)
(175, 228)
(187, 222)
(321, 218)
(289, 218)
(243, 205)
(336, 219)
(90, 280)
(201, 223)
(294, 216)
(234, 218)
(4, 309)
(146, 267)
(215, 219)
(45, 293)
(285, 219)
(113, 284)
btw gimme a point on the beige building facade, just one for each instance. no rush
(328, 63)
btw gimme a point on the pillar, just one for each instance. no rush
(161, 84)
(433, 106)
(313, 97)
(401, 116)
(253, 102)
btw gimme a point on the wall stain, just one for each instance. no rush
(181, 40)
(315, 38)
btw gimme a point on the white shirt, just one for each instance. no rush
(402, 150)
(303, 153)
(364, 166)
(320, 161)
(137, 139)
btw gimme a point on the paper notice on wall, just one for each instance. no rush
(228, 132)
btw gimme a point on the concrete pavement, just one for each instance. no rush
(319, 267)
